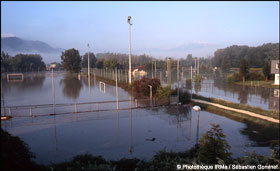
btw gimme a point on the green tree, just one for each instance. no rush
(212, 145)
(244, 69)
(111, 63)
(266, 70)
(5, 62)
(225, 65)
(92, 60)
(99, 64)
(24, 62)
(71, 60)
(189, 60)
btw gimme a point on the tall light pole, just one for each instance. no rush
(88, 62)
(129, 71)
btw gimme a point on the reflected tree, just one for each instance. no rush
(243, 95)
(197, 86)
(262, 134)
(71, 85)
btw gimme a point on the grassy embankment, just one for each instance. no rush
(257, 110)
(255, 78)
(266, 84)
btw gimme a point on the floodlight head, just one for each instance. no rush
(88, 45)
(196, 108)
(128, 19)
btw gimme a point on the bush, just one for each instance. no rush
(198, 78)
(256, 76)
(141, 87)
(188, 83)
(184, 97)
(15, 154)
(234, 78)
(163, 92)
(213, 145)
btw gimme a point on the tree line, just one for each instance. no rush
(232, 56)
(22, 63)
(71, 60)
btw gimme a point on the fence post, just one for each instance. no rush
(30, 112)
(136, 105)
(76, 108)
(10, 113)
(117, 95)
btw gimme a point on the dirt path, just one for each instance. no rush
(239, 111)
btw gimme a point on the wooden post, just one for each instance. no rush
(178, 79)
(117, 95)
(155, 69)
(191, 84)
(30, 112)
(151, 95)
(126, 77)
(152, 69)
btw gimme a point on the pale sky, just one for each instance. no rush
(159, 28)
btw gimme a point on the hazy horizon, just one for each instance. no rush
(159, 29)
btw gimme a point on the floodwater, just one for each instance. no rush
(216, 87)
(112, 133)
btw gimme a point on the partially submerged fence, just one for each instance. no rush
(72, 108)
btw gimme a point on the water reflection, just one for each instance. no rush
(243, 95)
(197, 86)
(261, 134)
(217, 87)
(133, 133)
(30, 82)
(71, 85)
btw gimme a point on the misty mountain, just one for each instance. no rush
(14, 45)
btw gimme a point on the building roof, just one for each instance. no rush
(141, 67)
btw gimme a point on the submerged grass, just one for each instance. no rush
(268, 84)
(258, 110)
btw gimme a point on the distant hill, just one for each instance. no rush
(13, 45)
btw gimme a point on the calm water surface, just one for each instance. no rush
(113, 134)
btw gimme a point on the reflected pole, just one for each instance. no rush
(118, 127)
(2, 99)
(130, 126)
(55, 138)
(197, 127)
(197, 109)
(89, 93)
(53, 93)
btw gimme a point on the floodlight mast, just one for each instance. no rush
(129, 58)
